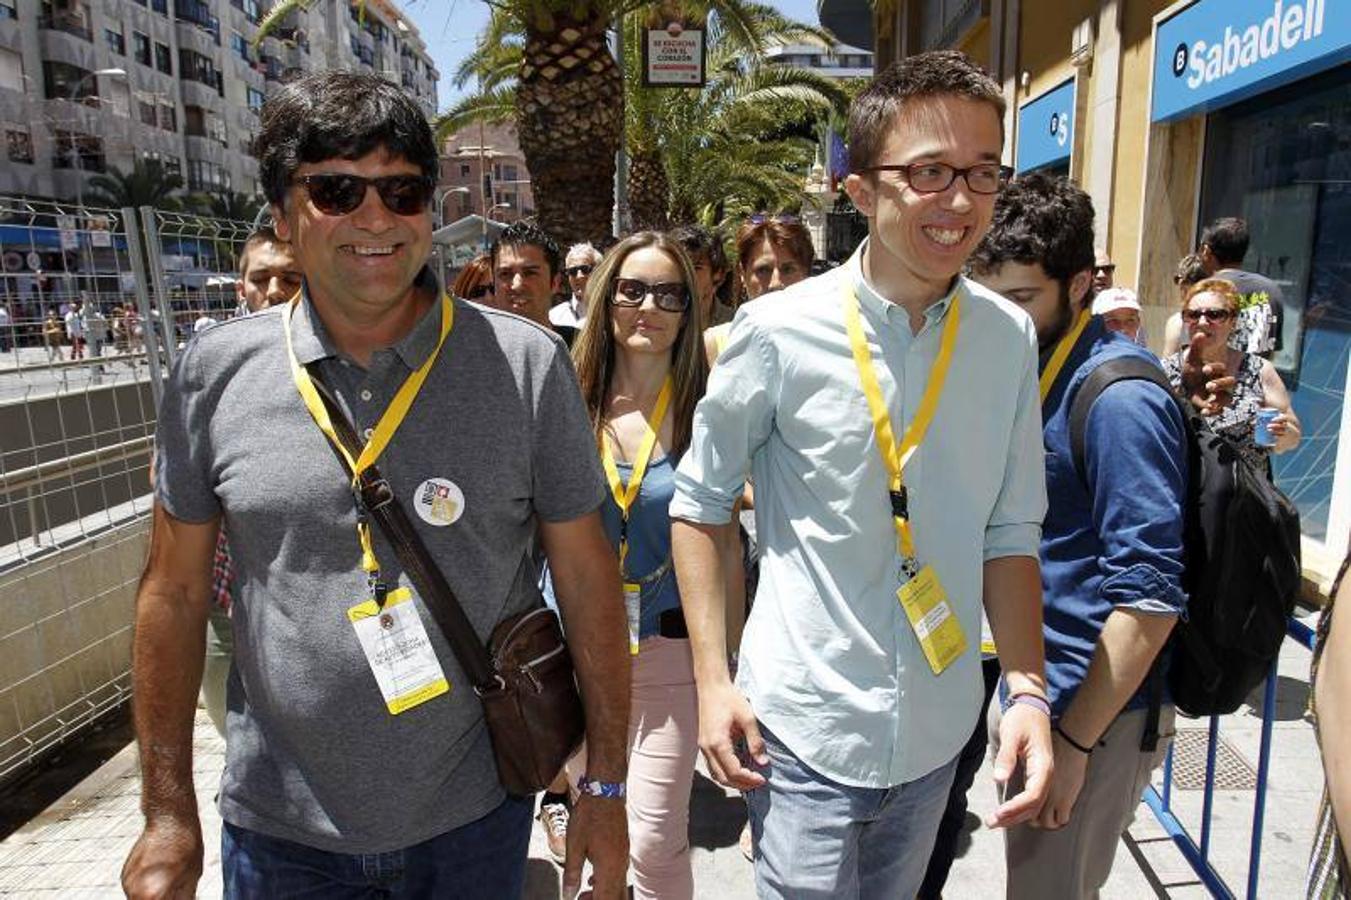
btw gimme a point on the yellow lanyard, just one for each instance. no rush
(894, 457)
(1062, 353)
(390, 421)
(626, 494)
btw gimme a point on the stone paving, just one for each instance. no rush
(75, 848)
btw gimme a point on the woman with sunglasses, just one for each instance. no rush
(1209, 313)
(475, 281)
(642, 370)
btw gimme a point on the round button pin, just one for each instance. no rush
(439, 502)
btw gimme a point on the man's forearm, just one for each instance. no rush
(1331, 694)
(600, 655)
(166, 675)
(697, 551)
(1127, 646)
(1012, 596)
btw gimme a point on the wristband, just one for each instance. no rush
(1036, 701)
(610, 790)
(1072, 742)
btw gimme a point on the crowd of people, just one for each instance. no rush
(830, 532)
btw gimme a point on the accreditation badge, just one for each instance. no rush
(931, 616)
(398, 651)
(633, 608)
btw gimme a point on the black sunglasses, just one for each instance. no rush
(578, 270)
(1109, 268)
(337, 194)
(1210, 315)
(668, 295)
(477, 293)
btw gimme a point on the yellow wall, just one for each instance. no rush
(1044, 34)
(976, 44)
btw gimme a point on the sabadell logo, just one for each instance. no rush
(1288, 26)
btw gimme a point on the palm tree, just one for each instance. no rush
(741, 143)
(147, 184)
(553, 73)
(232, 205)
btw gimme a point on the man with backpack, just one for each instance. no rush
(1112, 543)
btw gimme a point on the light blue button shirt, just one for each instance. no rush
(828, 660)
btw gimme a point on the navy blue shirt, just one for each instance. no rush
(1113, 534)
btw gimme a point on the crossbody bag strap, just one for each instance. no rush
(378, 500)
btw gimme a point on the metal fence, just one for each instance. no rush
(1196, 849)
(94, 306)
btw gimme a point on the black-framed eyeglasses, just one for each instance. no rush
(574, 271)
(1210, 315)
(338, 193)
(671, 296)
(762, 218)
(936, 177)
(478, 293)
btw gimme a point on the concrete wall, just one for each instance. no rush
(65, 641)
(56, 426)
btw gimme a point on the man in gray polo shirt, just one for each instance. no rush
(328, 790)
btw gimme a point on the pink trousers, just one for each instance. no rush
(663, 746)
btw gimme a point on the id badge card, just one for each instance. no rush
(398, 651)
(633, 608)
(932, 618)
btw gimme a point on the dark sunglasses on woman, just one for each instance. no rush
(1211, 315)
(668, 295)
(337, 194)
(478, 293)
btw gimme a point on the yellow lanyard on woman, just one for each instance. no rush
(894, 457)
(383, 432)
(626, 494)
(1062, 353)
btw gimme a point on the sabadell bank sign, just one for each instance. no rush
(1217, 52)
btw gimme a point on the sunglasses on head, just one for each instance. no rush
(668, 295)
(573, 271)
(478, 293)
(762, 218)
(1210, 315)
(337, 194)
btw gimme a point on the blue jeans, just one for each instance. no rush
(817, 838)
(484, 859)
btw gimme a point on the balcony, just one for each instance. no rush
(198, 13)
(74, 22)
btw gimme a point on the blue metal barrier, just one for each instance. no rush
(1198, 856)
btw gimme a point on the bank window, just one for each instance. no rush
(1281, 162)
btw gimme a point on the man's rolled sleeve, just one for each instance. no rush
(731, 422)
(568, 482)
(1014, 528)
(184, 480)
(1135, 455)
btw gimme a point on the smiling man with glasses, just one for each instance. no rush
(888, 412)
(358, 762)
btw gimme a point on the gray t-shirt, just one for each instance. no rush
(313, 755)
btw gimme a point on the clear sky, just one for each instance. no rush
(450, 28)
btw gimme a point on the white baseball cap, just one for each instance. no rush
(1115, 298)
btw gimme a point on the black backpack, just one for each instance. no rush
(1241, 561)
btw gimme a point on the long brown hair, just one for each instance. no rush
(594, 352)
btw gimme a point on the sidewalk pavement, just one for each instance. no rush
(75, 848)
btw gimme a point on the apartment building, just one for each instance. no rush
(483, 173)
(85, 84)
